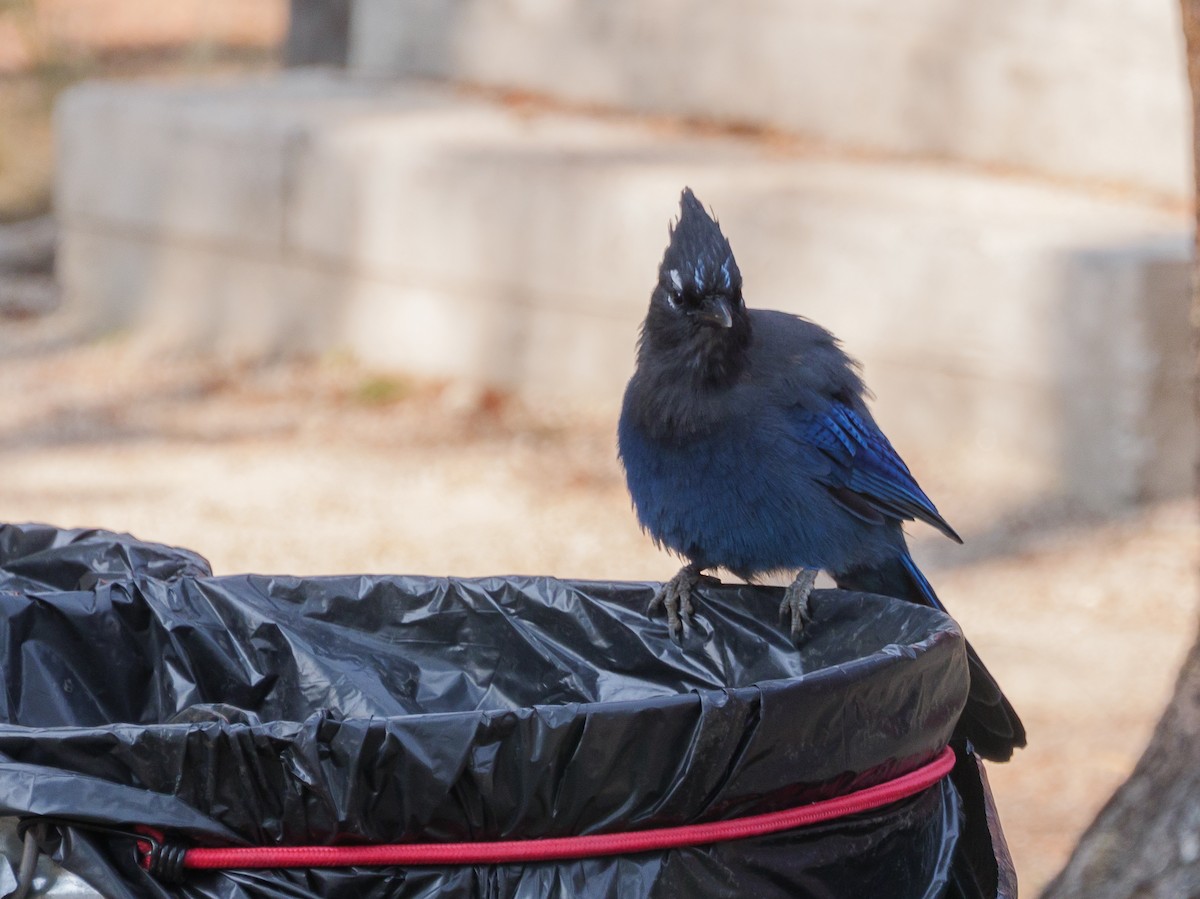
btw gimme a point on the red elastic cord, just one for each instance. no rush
(504, 851)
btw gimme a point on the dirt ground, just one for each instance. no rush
(322, 467)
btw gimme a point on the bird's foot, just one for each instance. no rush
(676, 597)
(795, 602)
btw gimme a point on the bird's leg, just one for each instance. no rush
(676, 596)
(795, 601)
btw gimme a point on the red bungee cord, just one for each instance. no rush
(553, 848)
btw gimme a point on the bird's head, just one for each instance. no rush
(696, 310)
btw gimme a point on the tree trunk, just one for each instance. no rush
(1146, 841)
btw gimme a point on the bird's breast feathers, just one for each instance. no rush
(745, 497)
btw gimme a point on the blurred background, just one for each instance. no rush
(354, 286)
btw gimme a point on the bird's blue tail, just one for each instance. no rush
(988, 721)
(923, 587)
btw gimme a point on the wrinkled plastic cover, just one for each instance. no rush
(138, 688)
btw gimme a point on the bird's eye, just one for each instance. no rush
(674, 290)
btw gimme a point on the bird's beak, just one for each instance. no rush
(714, 309)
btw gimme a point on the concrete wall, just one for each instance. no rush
(1011, 330)
(1077, 89)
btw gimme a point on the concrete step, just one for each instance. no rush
(27, 246)
(1016, 331)
(1081, 89)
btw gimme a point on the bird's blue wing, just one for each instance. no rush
(867, 476)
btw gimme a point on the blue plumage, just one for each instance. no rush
(748, 445)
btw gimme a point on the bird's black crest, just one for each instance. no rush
(699, 254)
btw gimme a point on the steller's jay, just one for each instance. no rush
(747, 445)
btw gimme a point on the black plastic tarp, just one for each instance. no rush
(136, 688)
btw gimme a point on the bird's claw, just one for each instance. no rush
(676, 597)
(795, 603)
(678, 604)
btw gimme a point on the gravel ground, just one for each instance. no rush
(324, 468)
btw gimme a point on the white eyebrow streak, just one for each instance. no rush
(676, 280)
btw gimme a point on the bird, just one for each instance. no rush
(748, 445)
